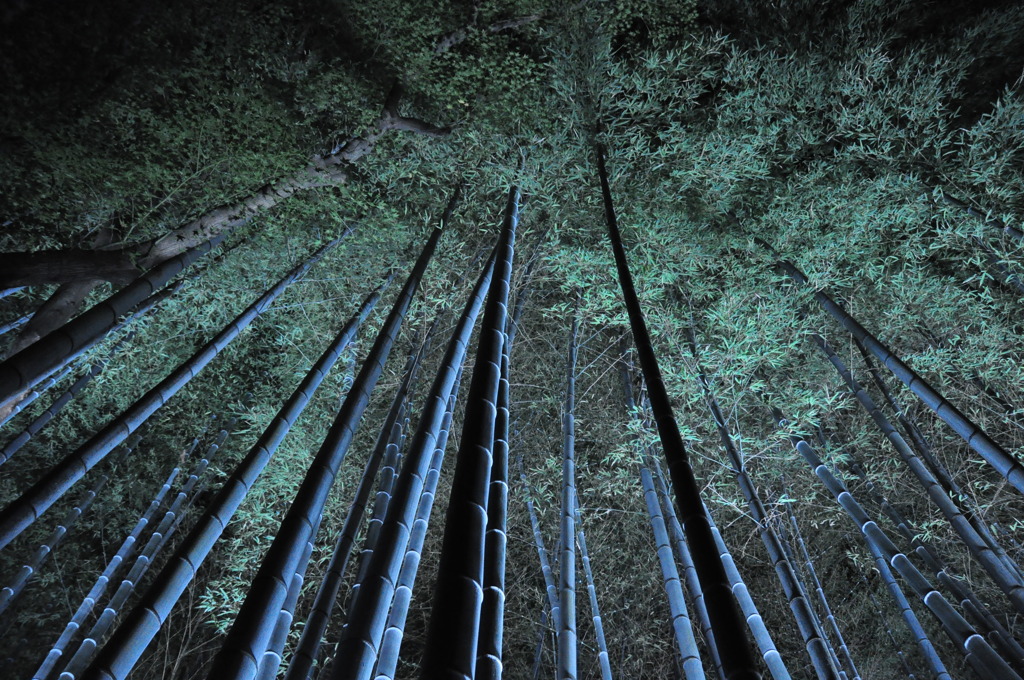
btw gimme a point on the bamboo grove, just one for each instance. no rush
(615, 340)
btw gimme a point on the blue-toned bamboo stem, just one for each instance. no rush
(33, 428)
(34, 393)
(689, 656)
(809, 563)
(391, 643)
(271, 660)
(730, 636)
(110, 573)
(20, 514)
(492, 611)
(452, 633)
(814, 642)
(15, 324)
(550, 588)
(936, 667)
(161, 536)
(250, 633)
(690, 580)
(944, 575)
(1000, 573)
(568, 646)
(762, 637)
(128, 643)
(23, 370)
(603, 660)
(10, 593)
(313, 630)
(920, 444)
(995, 455)
(367, 614)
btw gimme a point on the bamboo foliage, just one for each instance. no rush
(128, 643)
(26, 368)
(11, 592)
(737, 661)
(452, 635)
(1007, 580)
(18, 515)
(814, 642)
(367, 615)
(994, 454)
(249, 636)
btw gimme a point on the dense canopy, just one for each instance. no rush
(268, 266)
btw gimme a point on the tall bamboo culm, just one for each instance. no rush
(733, 648)
(122, 652)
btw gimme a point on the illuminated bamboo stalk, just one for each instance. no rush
(762, 637)
(730, 637)
(944, 575)
(33, 428)
(26, 368)
(935, 665)
(567, 642)
(920, 444)
(690, 580)
(452, 634)
(391, 643)
(271, 660)
(43, 385)
(20, 514)
(1003, 577)
(367, 615)
(250, 633)
(538, 538)
(995, 455)
(682, 626)
(888, 630)
(492, 610)
(116, 660)
(814, 643)
(308, 647)
(689, 656)
(809, 563)
(10, 593)
(602, 646)
(15, 324)
(160, 537)
(110, 573)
